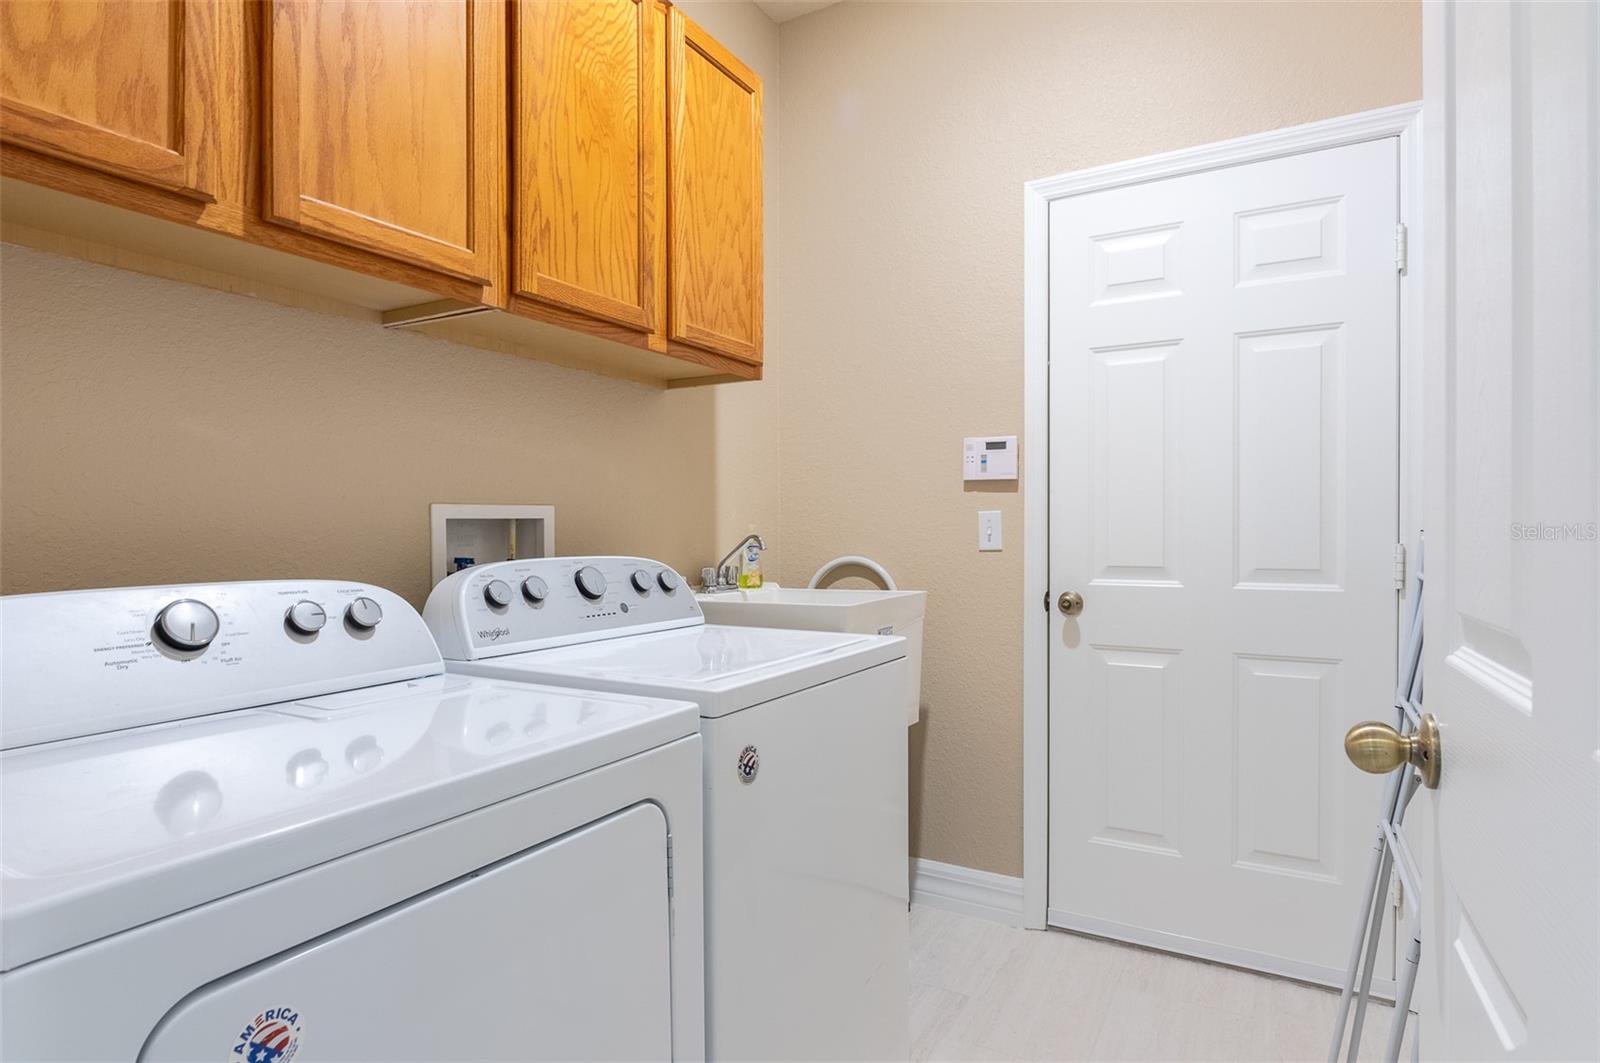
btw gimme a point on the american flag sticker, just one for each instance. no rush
(749, 764)
(273, 1036)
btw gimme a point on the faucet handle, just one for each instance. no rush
(708, 578)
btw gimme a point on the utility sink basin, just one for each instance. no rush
(855, 611)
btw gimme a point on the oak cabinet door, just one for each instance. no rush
(714, 162)
(123, 86)
(385, 126)
(590, 184)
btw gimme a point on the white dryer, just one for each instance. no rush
(805, 784)
(258, 822)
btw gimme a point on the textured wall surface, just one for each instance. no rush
(908, 131)
(153, 431)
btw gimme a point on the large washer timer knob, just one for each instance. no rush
(187, 624)
(363, 613)
(591, 583)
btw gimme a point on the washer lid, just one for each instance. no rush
(723, 669)
(106, 832)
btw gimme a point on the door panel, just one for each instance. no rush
(386, 127)
(124, 86)
(1224, 472)
(1511, 625)
(591, 156)
(715, 250)
(560, 953)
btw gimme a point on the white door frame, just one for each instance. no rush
(1402, 121)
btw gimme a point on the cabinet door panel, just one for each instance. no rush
(714, 263)
(123, 86)
(385, 126)
(590, 125)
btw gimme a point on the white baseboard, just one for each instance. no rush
(966, 890)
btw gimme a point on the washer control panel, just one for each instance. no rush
(514, 606)
(85, 662)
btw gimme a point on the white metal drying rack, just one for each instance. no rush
(1390, 855)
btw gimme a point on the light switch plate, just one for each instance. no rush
(989, 530)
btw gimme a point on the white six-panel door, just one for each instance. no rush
(1223, 493)
(1511, 920)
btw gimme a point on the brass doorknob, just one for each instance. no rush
(1070, 603)
(1378, 748)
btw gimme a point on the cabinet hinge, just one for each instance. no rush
(1401, 255)
(669, 865)
(1399, 566)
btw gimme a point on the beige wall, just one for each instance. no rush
(908, 131)
(153, 431)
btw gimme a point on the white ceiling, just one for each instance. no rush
(784, 10)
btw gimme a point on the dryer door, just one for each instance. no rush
(560, 952)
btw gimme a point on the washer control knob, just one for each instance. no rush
(535, 589)
(305, 617)
(187, 624)
(363, 613)
(591, 583)
(668, 580)
(640, 580)
(497, 592)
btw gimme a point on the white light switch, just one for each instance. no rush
(988, 529)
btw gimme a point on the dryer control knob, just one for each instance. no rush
(187, 624)
(640, 580)
(591, 583)
(363, 613)
(497, 592)
(305, 617)
(534, 589)
(668, 579)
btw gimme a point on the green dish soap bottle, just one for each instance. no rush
(750, 568)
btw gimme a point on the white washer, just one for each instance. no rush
(256, 821)
(805, 784)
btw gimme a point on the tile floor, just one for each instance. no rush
(983, 991)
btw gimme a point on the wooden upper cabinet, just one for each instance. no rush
(590, 179)
(123, 86)
(385, 127)
(714, 162)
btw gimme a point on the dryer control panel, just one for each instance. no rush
(516, 606)
(86, 662)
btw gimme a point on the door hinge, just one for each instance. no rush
(1401, 254)
(669, 865)
(1399, 566)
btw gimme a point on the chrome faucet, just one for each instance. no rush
(726, 576)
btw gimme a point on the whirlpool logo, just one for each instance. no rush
(493, 634)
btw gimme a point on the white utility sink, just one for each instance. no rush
(856, 611)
